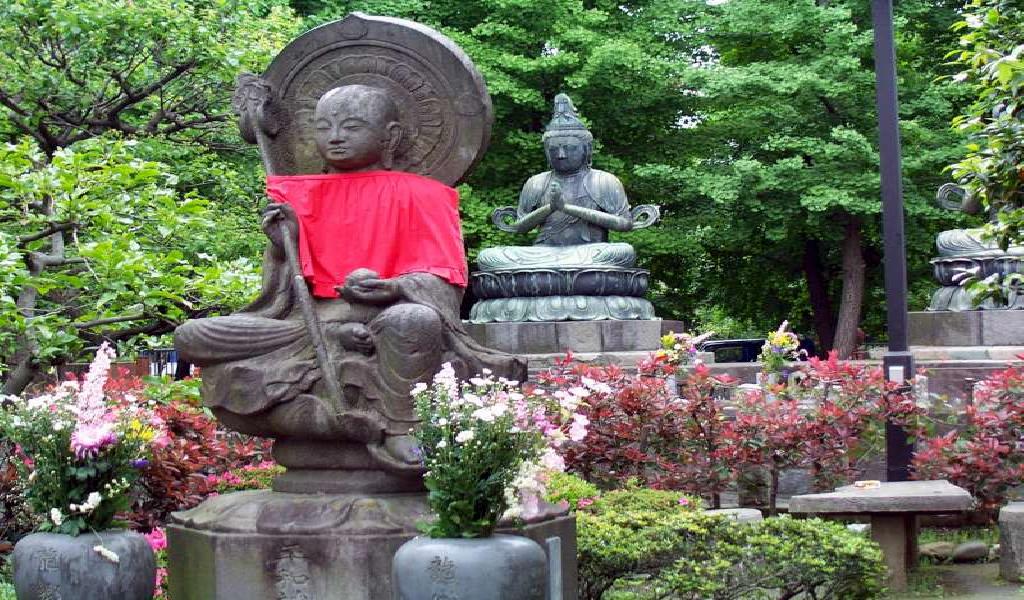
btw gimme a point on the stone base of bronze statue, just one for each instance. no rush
(263, 544)
(576, 336)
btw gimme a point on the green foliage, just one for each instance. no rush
(785, 125)
(991, 34)
(7, 591)
(566, 487)
(161, 67)
(641, 544)
(125, 259)
(166, 390)
(110, 93)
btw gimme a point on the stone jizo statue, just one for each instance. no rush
(363, 279)
(572, 271)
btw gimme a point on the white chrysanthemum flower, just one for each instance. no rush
(56, 516)
(484, 414)
(464, 436)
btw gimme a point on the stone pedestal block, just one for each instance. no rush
(551, 337)
(264, 544)
(1011, 542)
(967, 328)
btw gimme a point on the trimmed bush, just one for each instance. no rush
(566, 487)
(647, 544)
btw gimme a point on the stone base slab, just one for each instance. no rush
(579, 337)
(961, 354)
(967, 328)
(1011, 541)
(263, 544)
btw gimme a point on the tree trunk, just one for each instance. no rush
(26, 366)
(773, 492)
(853, 290)
(817, 289)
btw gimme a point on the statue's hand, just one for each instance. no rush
(273, 215)
(555, 197)
(356, 337)
(370, 291)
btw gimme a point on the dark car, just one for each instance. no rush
(727, 351)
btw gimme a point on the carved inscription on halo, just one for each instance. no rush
(428, 132)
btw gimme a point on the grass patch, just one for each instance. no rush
(988, 534)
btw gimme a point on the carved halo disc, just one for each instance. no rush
(445, 109)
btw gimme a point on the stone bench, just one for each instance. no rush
(893, 508)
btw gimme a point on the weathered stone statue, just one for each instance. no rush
(571, 272)
(328, 374)
(962, 250)
(362, 124)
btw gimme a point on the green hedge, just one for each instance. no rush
(645, 544)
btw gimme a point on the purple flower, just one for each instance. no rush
(140, 463)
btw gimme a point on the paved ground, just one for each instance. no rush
(970, 582)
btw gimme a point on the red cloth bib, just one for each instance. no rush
(391, 222)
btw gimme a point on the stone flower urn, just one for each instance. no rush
(109, 564)
(499, 567)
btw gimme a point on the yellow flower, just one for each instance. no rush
(140, 431)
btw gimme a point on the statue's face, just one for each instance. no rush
(566, 154)
(351, 131)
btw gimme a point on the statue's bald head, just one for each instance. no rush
(357, 128)
(372, 102)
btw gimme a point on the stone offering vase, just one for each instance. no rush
(498, 567)
(55, 565)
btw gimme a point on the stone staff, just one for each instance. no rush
(253, 95)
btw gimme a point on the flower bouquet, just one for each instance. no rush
(781, 346)
(489, 447)
(80, 450)
(679, 349)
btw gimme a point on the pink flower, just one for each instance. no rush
(157, 539)
(584, 502)
(552, 460)
(161, 575)
(684, 501)
(578, 429)
(89, 439)
(90, 402)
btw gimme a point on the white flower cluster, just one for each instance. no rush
(91, 503)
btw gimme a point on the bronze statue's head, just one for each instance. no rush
(568, 144)
(357, 128)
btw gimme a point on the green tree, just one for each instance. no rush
(786, 179)
(96, 242)
(989, 54)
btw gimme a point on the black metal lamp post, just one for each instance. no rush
(898, 363)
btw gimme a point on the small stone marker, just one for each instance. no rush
(893, 508)
(1011, 542)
